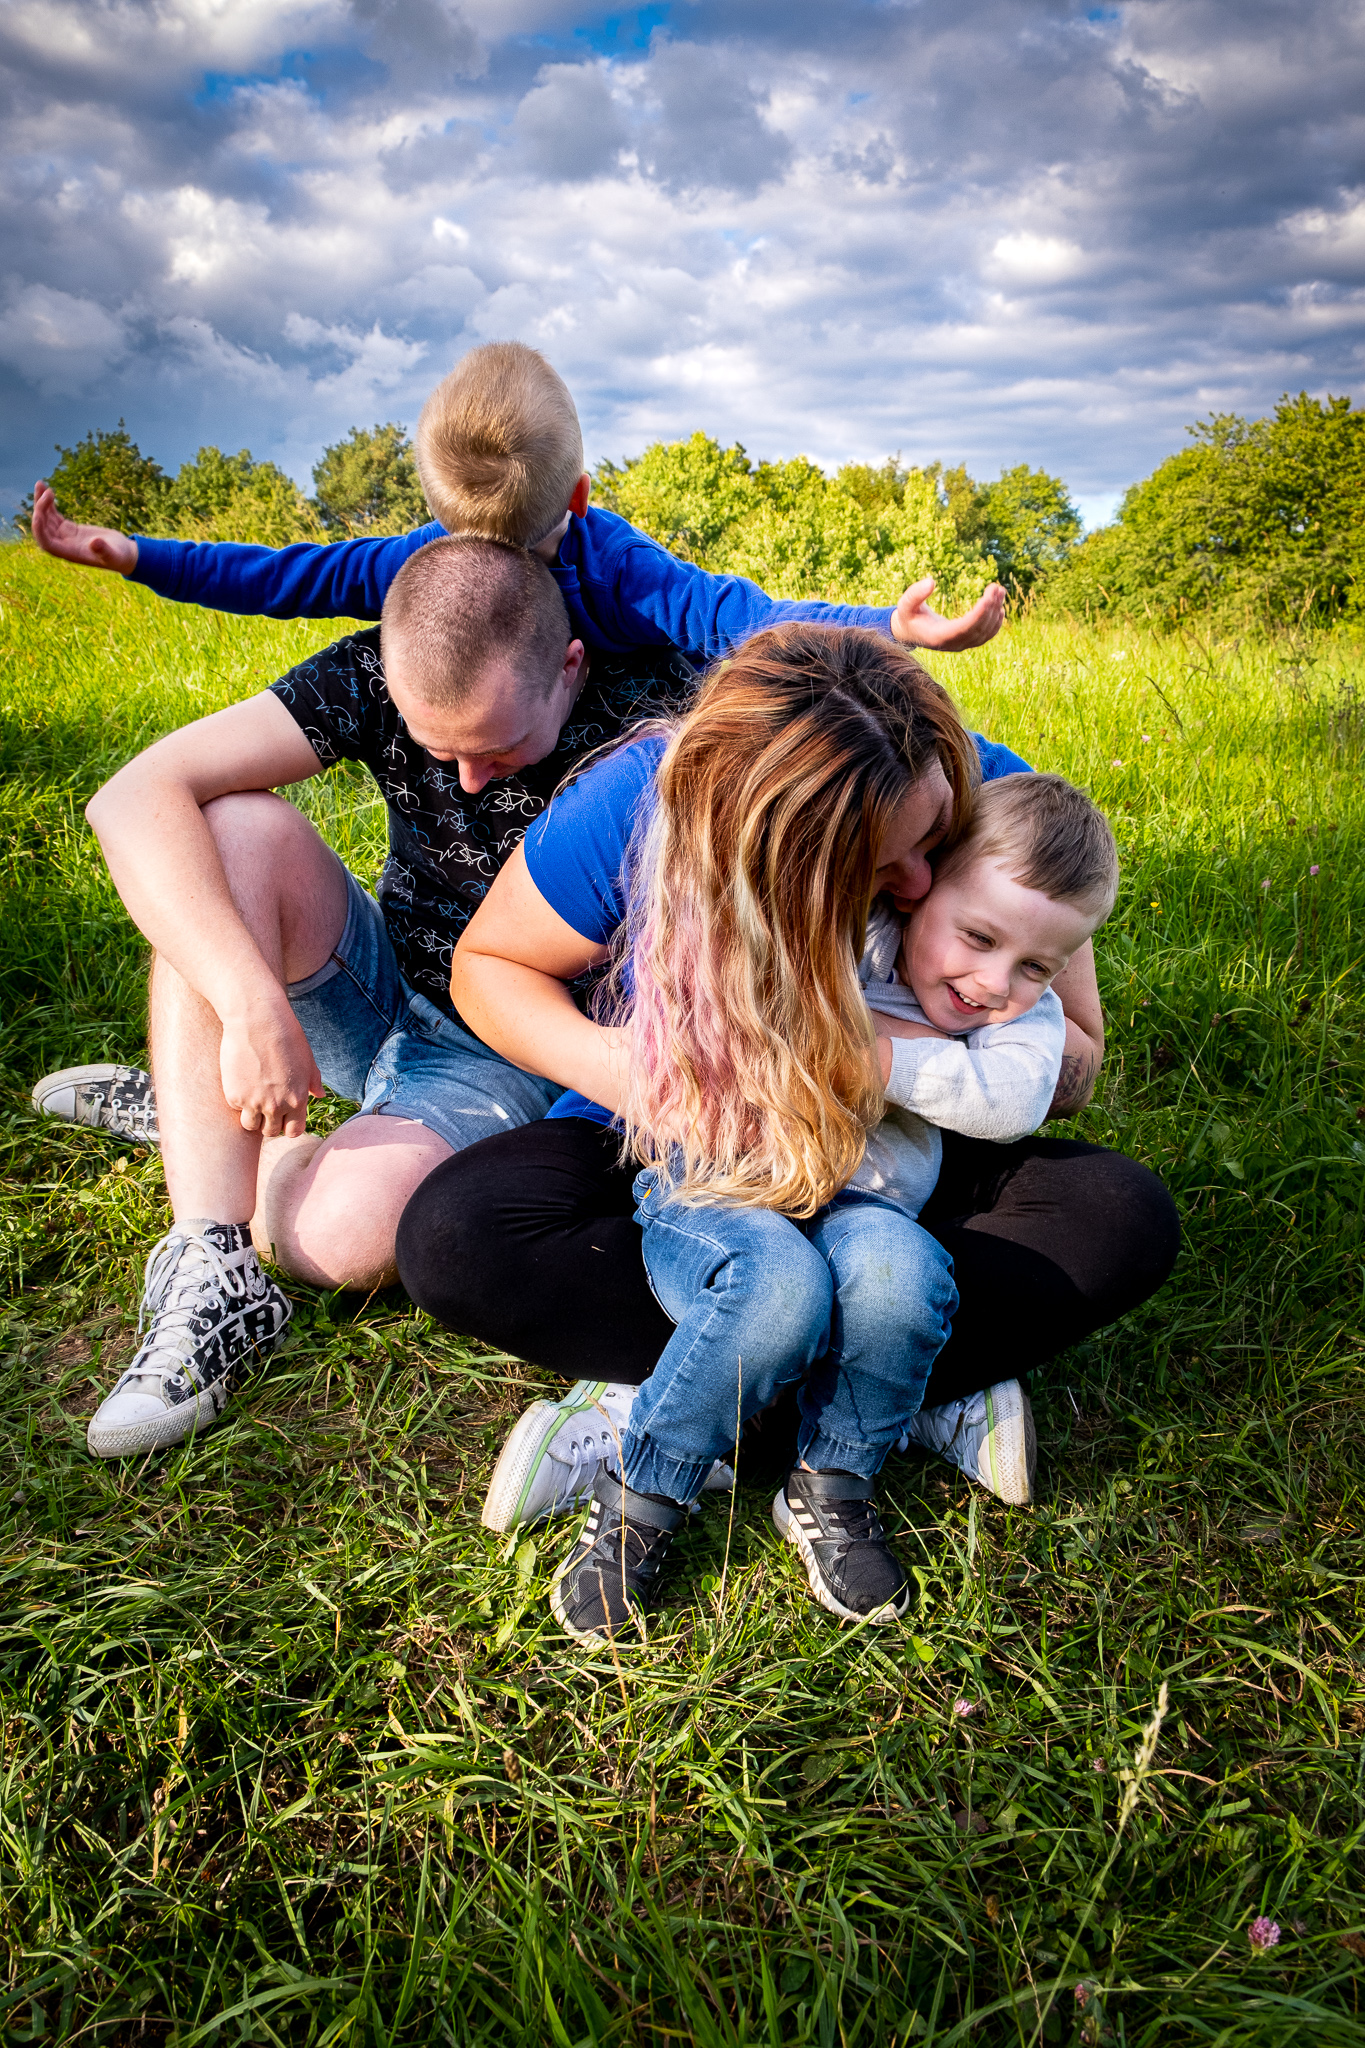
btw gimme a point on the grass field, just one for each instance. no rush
(293, 1750)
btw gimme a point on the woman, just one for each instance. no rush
(528, 1240)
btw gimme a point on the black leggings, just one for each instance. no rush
(527, 1241)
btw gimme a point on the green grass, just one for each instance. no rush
(293, 1751)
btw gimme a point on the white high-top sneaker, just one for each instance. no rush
(118, 1099)
(211, 1317)
(989, 1436)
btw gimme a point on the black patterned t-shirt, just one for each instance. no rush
(446, 847)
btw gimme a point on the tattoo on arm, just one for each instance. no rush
(1075, 1083)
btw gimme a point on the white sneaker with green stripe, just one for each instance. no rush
(989, 1436)
(552, 1458)
(549, 1462)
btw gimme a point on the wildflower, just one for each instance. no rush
(1266, 883)
(1116, 764)
(1098, 1764)
(1083, 1995)
(962, 1708)
(1262, 1933)
(1146, 739)
(1155, 904)
(1312, 871)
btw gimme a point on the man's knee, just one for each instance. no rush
(330, 1209)
(253, 823)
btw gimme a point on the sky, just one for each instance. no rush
(991, 231)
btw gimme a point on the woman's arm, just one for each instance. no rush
(508, 980)
(1080, 998)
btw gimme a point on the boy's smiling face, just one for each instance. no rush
(981, 948)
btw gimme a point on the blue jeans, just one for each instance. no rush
(855, 1303)
(377, 1042)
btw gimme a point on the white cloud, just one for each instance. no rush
(1002, 231)
(60, 343)
(1035, 259)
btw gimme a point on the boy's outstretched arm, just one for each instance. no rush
(639, 592)
(308, 580)
(914, 625)
(93, 547)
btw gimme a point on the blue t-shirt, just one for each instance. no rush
(576, 850)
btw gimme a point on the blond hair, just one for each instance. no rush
(752, 1075)
(499, 448)
(1049, 835)
(460, 603)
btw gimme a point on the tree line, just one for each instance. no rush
(1255, 523)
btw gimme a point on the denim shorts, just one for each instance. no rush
(377, 1042)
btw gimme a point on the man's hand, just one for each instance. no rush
(93, 547)
(269, 1071)
(914, 625)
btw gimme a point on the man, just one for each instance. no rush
(274, 973)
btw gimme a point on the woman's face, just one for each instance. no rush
(919, 823)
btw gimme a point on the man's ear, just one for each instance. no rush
(575, 654)
(582, 491)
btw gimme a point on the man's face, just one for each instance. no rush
(981, 947)
(504, 723)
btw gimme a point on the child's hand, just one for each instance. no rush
(914, 625)
(93, 547)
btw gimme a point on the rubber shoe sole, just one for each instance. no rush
(526, 1450)
(793, 1532)
(1009, 1450)
(153, 1432)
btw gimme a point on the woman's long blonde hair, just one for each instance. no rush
(753, 1076)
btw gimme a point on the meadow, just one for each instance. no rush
(293, 1750)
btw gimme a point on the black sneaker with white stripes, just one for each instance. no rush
(117, 1099)
(852, 1569)
(608, 1581)
(212, 1317)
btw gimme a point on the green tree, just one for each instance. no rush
(368, 483)
(688, 494)
(1027, 521)
(232, 497)
(106, 480)
(859, 537)
(1257, 523)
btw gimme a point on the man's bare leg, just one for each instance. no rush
(290, 890)
(328, 1209)
(334, 1206)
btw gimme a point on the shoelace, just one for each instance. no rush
(583, 1462)
(854, 1522)
(175, 1317)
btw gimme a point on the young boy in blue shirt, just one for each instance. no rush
(500, 453)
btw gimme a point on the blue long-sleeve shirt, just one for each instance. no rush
(622, 589)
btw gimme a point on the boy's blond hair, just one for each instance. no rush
(1048, 834)
(499, 448)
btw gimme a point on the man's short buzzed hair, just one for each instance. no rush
(499, 448)
(459, 604)
(1050, 837)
